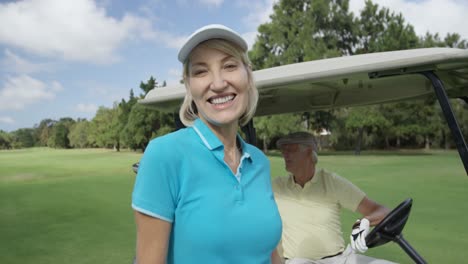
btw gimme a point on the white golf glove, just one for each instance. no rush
(358, 235)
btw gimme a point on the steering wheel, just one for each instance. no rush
(391, 226)
(135, 167)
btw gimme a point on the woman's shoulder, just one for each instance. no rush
(171, 140)
(254, 151)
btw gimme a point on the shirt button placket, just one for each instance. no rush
(239, 193)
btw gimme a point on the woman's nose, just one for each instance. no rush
(218, 82)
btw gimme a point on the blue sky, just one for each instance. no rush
(66, 58)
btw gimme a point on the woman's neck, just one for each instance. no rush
(227, 134)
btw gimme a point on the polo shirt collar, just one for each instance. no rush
(314, 179)
(211, 141)
(207, 136)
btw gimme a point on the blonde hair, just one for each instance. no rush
(188, 111)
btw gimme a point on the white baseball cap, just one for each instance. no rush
(213, 31)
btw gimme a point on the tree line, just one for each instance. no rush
(299, 31)
(125, 125)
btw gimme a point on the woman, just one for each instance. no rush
(203, 195)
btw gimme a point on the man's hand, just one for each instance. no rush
(358, 235)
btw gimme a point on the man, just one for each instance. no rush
(310, 201)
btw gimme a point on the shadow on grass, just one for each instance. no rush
(400, 152)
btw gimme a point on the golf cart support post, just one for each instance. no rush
(449, 116)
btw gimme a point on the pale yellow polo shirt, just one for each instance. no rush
(311, 215)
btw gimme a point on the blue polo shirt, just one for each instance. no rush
(217, 216)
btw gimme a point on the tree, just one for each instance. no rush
(365, 120)
(23, 138)
(104, 128)
(143, 123)
(149, 85)
(452, 40)
(460, 108)
(5, 140)
(413, 123)
(141, 126)
(269, 127)
(381, 30)
(43, 131)
(59, 134)
(125, 108)
(303, 31)
(78, 135)
(59, 137)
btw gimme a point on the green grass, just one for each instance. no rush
(73, 206)
(66, 206)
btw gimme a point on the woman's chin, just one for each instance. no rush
(221, 120)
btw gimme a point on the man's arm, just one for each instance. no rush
(275, 258)
(373, 214)
(372, 211)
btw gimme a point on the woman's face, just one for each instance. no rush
(218, 83)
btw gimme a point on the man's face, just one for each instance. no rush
(295, 156)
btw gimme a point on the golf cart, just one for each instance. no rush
(355, 81)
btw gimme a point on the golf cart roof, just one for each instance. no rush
(345, 81)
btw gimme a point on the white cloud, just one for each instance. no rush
(434, 16)
(175, 73)
(259, 11)
(168, 39)
(6, 120)
(215, 3)
(86, 108)
(56, 86)
(16, 64)
(105, 93)
(73, 30)
(250, 37)
(174, 76)
(19, 91)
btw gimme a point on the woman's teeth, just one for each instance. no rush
(222, 100)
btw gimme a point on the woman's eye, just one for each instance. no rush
(230, 66)
(198, 72)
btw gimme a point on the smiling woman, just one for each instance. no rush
(202, 192)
